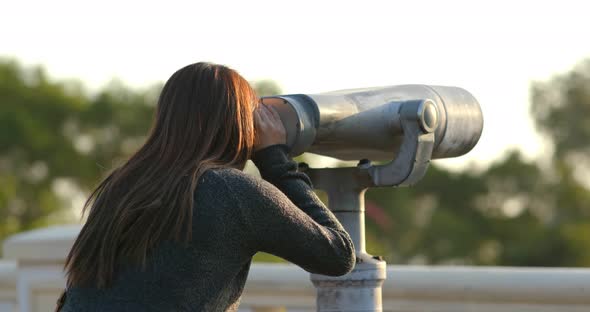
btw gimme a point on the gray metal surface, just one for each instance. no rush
(412, 160)
(360, 290)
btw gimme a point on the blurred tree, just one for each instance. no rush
(513, 213)
(561, 110)
(502, 216)
(266, 87)
(56, 141)
(33, 150)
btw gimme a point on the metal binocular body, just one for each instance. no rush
(407, 124)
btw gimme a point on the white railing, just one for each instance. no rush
(7, 286)
(37, 281)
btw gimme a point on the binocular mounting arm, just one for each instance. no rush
(419, 120)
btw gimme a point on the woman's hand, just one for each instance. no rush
(268, 127)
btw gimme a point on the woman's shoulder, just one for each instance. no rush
(235, 179)
(231, 184)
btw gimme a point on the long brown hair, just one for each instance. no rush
(203, 120)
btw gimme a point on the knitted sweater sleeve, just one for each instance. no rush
(284, 217)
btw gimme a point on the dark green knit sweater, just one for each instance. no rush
(235, 216)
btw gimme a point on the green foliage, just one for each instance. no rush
(266, 87)
(56, 140)
(458, 218)
(513, 213)
(264, 257)
(561, 109)
(51, 133)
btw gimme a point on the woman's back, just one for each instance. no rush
(235, 215)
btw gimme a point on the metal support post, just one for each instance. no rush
(360, 290)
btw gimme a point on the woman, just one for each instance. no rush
(176, 226)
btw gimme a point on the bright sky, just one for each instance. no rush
(494, 49)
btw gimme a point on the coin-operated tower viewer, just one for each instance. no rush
(406, 126)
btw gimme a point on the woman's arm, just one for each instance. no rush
(287, 219)
(279, 169)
